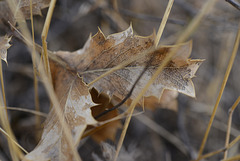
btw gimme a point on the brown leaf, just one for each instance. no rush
(24, 6)
(37, 6)
(75, 101)
(4, 45)
(100, 54)
(168, 100)
(109, 130)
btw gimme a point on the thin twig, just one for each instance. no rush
(49, 88)
(38, 47)
(27, 110)
(159, 70)
(212, 153)
(35, 79)
(2, 85)
(163, 23)
(229, 125)
(230, 64)
(234, 158)
(128, 95)
(9, 137)
(44, 37)
(15, 152)
(234, 4)
(233, 142)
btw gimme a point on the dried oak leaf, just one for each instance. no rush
(23, 6)
(108, 130)
(168, 100)
(101, 53)
(75, 101)
(37, 5)
(4, 45)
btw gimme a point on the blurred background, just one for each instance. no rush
(72, 23)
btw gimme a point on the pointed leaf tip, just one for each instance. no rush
(102, 55)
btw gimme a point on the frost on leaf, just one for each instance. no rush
(4, 45)
(101, 53)
(75, 101)
(23, 6)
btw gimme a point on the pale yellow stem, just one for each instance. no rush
(230, 125)
(230, 64)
